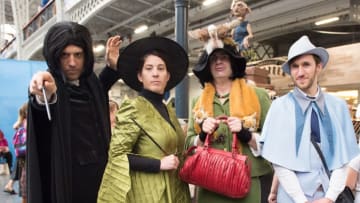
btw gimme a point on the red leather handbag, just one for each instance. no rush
(226, 173)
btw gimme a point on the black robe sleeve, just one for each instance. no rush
(108, 77)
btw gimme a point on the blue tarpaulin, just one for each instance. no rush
(15, 76)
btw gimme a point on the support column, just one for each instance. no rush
(59, 7)
(181, 28)
(20, 10)
(355, 10)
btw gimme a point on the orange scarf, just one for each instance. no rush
(243, 102)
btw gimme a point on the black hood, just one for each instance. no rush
(59, 37)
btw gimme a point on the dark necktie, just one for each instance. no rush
(315, 130)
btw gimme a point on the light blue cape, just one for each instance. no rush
(279, 135)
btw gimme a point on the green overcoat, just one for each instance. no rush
(259, 166)
(119, 183)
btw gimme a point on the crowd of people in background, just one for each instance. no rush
(19, 141)
(5, 153)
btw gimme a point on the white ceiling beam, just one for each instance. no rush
(268, 19)
(150, 4)
(105, 19)
(195, 14)
(274, 20)
(130, 14)
(141, 14)
(121, 10)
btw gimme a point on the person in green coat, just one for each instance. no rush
(147, 138)
(221, 72)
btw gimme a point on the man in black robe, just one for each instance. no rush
(67, 150)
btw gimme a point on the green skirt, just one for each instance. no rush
(254, 196)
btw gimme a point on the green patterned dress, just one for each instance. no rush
(122, 185)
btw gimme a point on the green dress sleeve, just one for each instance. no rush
(116, 179)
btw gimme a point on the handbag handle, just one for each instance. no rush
(234, 147)
(318, 150)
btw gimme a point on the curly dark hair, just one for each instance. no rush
(59, 37)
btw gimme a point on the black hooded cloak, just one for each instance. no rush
(66, 156)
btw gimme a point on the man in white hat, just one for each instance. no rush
(301, 120)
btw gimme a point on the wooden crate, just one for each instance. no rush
(256, 71)
(258, 75)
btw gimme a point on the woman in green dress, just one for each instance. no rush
(221, 71)
(147, 138)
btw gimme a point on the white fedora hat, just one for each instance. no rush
(304, 46)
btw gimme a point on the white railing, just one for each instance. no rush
(34, 32)
(83, 11)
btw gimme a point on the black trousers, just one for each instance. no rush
(8, 157)
(265, 182)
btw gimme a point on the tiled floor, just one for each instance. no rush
(6, 197)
